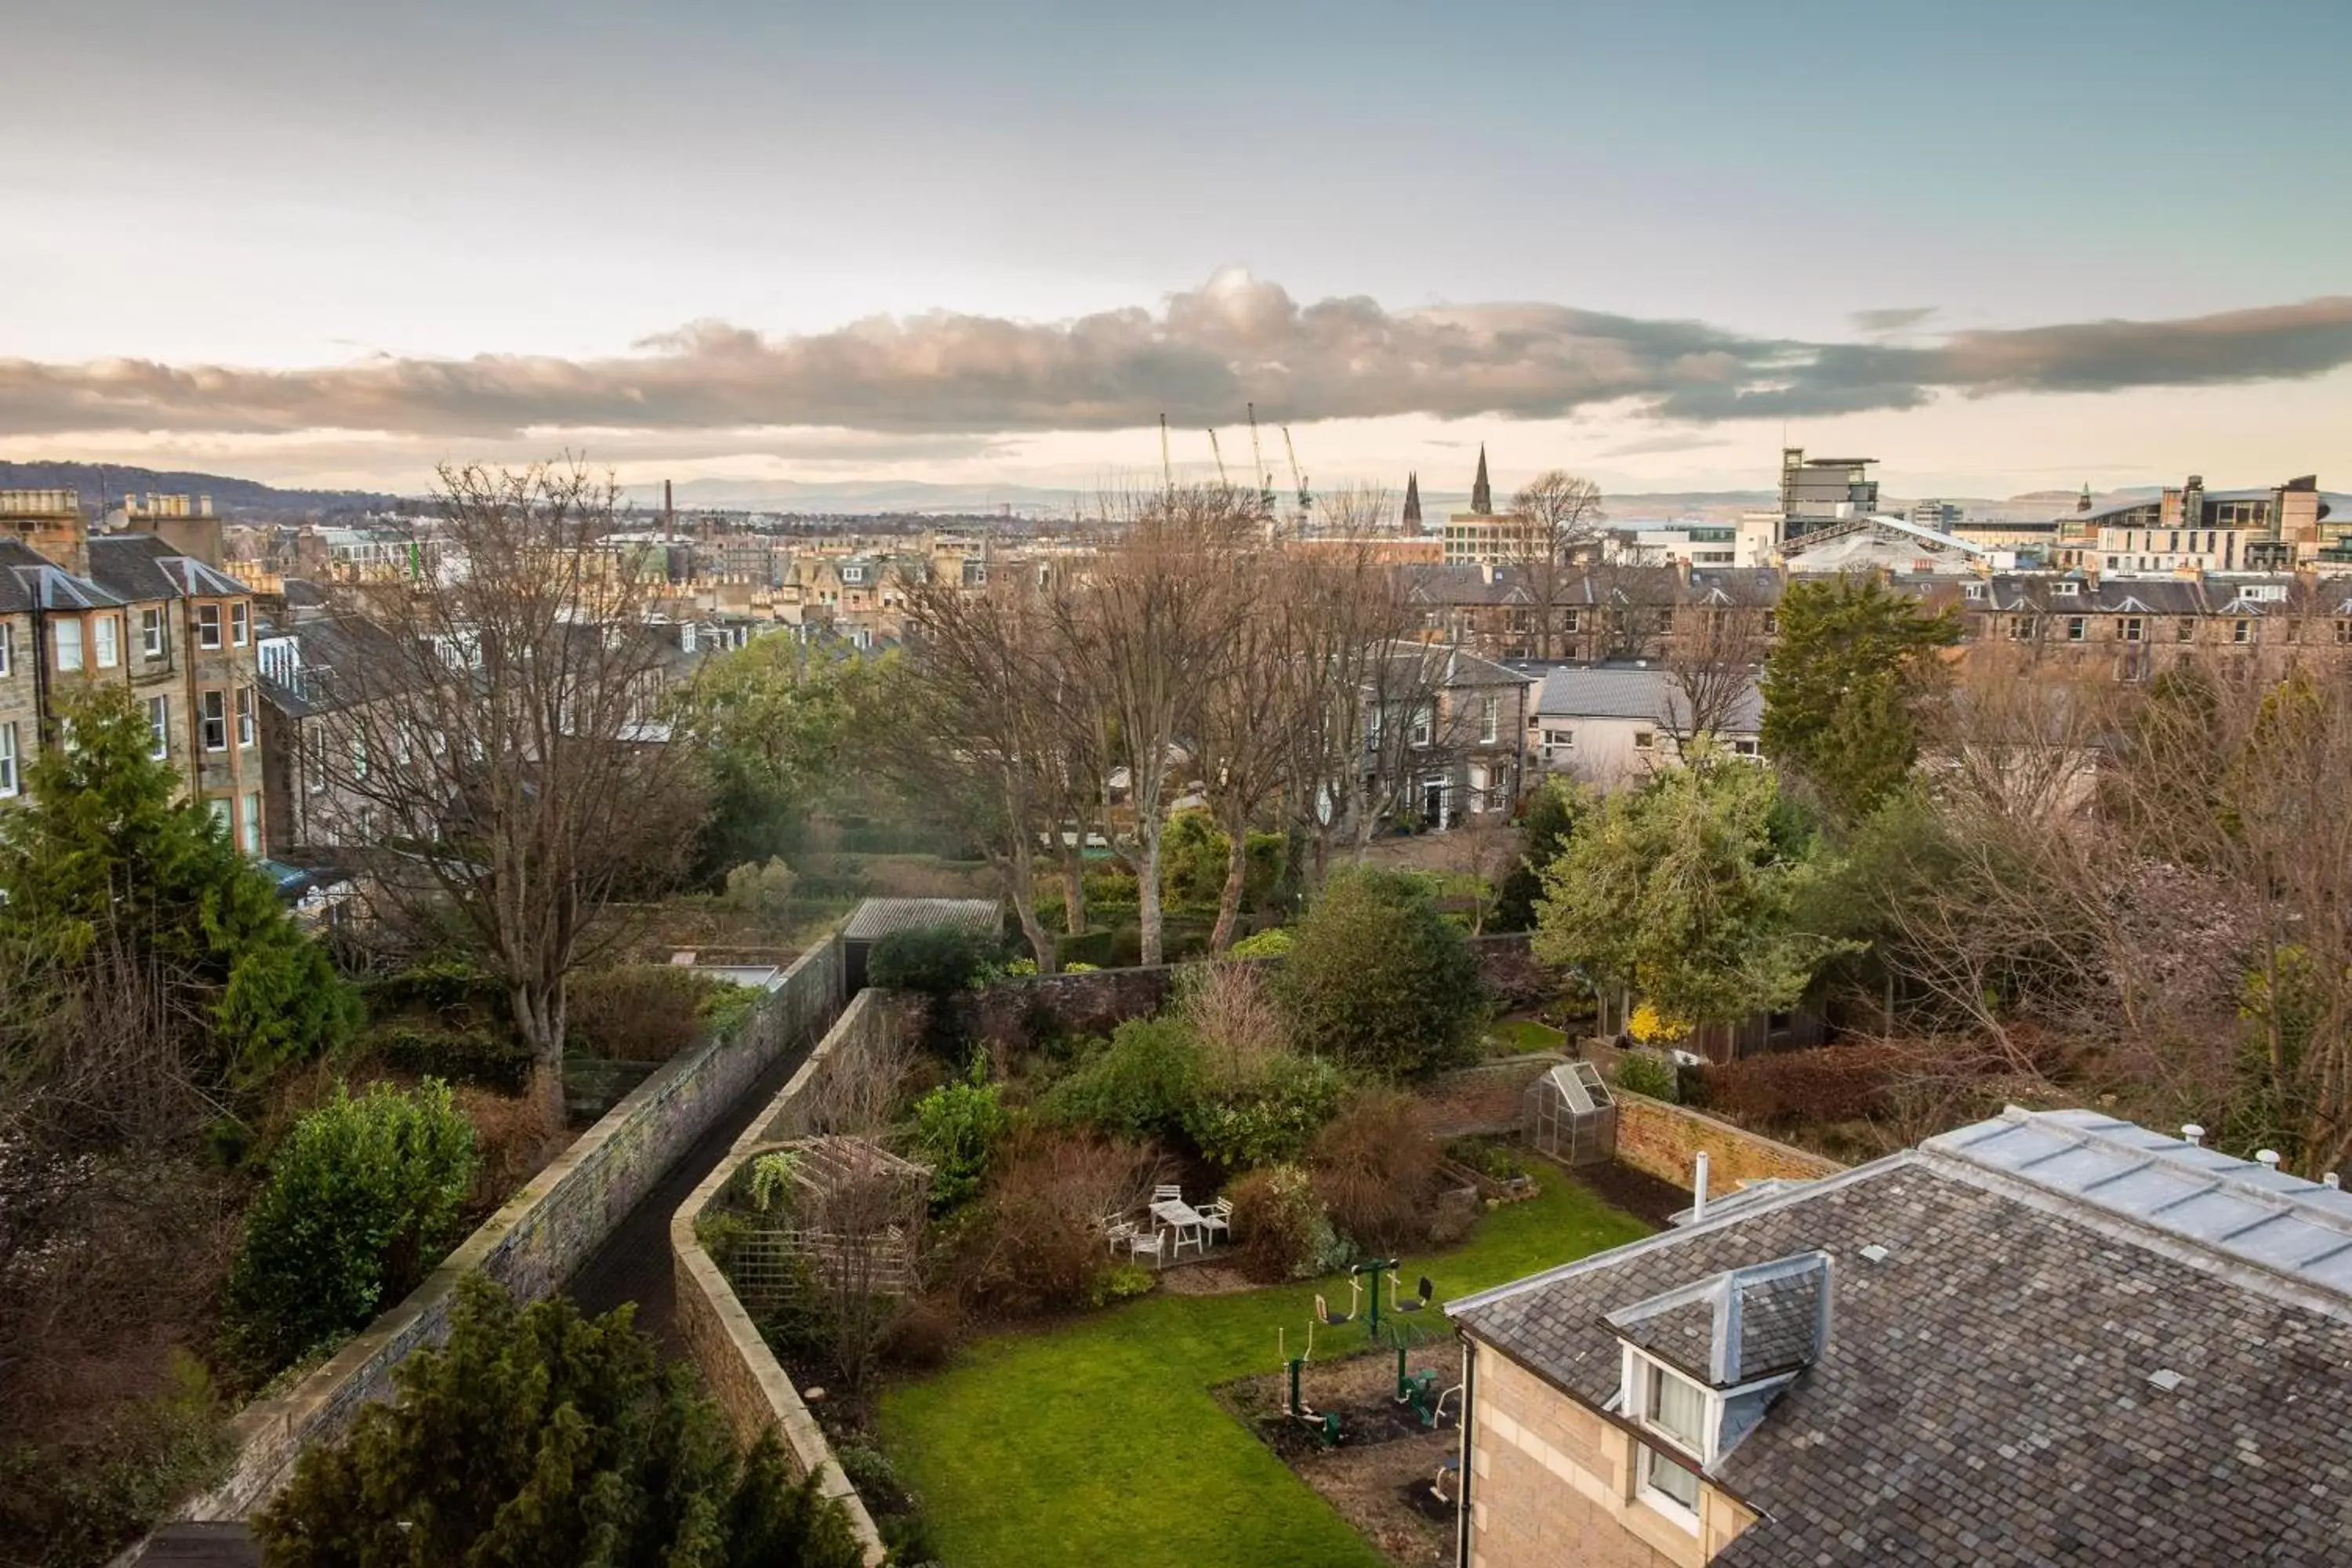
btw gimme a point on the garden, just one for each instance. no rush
(1038, 1270)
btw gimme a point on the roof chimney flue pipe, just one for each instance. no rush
(1698, 1195)
(2192, 1135)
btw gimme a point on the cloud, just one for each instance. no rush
(1235, 340)
(1892, 318)
(1650, 445)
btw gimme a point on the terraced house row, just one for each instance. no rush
(143, 608)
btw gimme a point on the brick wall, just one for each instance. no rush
(1551, 1481)
(1665, 1140)
(544, 1232)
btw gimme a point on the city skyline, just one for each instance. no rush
(2030, 250)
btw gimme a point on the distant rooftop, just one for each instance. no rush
(879, 917)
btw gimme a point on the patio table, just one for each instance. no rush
(1185, 1221)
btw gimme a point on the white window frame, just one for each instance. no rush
(62, 643)
(10, 783)
(212, 719)
(1424, 724)
(2133, 626)
(159, 727)
(7, 650)
(249, 822)
(208, 626)
(240, 623)
(1646, 739)
(1674, 1448)
(106, 642)
(2078, 628)
(151, 631)
(1490, 718)
(225, 815)
(2242, 631)
(314, 758)
(246, 721)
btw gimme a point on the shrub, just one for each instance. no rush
(75, 1505)
(1272, 942)
(1785, 1089)
(1516, 982)
(487, 1057)
(1377, 978)
(924, 1333)
(441, 985)
(362, 1199)
(1270, 1117)
(957, 1128)
(1639, 1072)
(1374, 1170)
(1139, 1085)
(1037, 1244)
(937, 961)
(1278, 1226)
(636, 1012)
(762, 891)
(1228, 1010)
(580, 1446)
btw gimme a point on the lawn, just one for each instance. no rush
(1517, 1037)
(1098, 1443)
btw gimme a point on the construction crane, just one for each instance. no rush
(1167, 473)
(1260, 475)
(1218, 452)
(1306, 499)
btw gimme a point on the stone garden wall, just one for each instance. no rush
(532, 1245)
(738, 1368)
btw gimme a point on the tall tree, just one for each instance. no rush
(990, 711)
(1846, 687)
(508, 740)
(1716, 649)
(772, 722)
(1555, 519)
(1155, 627)
(106, 875)
(1687, 890)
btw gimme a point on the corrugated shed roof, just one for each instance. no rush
(880, 917)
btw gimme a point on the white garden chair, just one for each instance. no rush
(1115, 1231)
(1141, 1241)
(1217, 1218)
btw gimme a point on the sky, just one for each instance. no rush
(2000, 247)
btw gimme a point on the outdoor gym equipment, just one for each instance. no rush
(1355, 1300)
(1323, 1423)
(1400, 1302)
(1418, 1391)
(1375, 1267)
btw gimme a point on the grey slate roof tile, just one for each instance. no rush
(1984, 1393)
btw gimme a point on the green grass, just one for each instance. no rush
(1517, 1037)
(1098, 1443)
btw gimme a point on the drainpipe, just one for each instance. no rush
(1461, 1495)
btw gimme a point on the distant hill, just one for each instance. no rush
(244, 500)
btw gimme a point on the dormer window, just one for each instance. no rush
(1676, 1408)
(2065, 589)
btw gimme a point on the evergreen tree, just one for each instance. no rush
(1553, 814)
(1378, 979)
(105, 855)
(1843, 686)
(540, 1438)
(1688, 891)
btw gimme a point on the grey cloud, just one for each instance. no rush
(1892, 318)
(1236, 339)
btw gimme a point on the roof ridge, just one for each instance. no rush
(1672, 1235)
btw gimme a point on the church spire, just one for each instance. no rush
(1412, 503)
(1481, 494)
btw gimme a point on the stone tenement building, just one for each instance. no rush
(2125, 629)
(143, 611)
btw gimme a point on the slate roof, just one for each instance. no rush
(1989, 1392)
(139, 566)
(1632, 691)
(46, 585)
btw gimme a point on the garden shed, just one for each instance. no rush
(1572, 1115)
(878, 918)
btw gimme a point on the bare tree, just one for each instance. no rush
(1717, 646)
(505, 739)
(1555, 520)
(987, 720)
(1154, 625)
